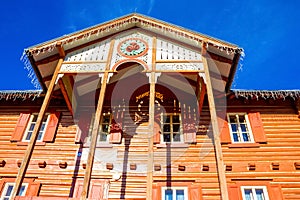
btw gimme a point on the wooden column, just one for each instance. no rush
(90, 160)
(215, 128)
(37, 127)
(91, 154)
(150, 137)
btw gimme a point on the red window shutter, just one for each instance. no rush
(33, 189)
(2, 183)
(156, 192)
(115, 137)
(156, 136)
(78, 189)
(116, 126)
(201, 96)
(275, 192)
(20, 127)
(257, 127)
(233, 192)
(96, 191)
(51, 127)
(224, 131)
(195, 192)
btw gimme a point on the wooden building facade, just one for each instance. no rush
(137, 108)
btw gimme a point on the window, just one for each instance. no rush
(240, 129)
(104, 128)
(25, 125)
(174, 193)
(30, 127)
(254, 193)
(171, 126)
(8, 188)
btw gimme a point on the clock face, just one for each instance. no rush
(132, 47)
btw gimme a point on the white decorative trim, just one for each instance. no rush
(267, 94)
(17, 94)
(31, 74)
(179, 66)
(88, 67)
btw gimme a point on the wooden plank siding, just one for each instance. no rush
(282, 128)
(281, 125)
(55, 181)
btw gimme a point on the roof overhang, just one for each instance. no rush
(46, 54)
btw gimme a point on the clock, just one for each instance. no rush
(132, 47)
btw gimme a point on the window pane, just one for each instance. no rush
(106, 119)
(22, 191)
(102, 137)
(176, 137)
(28, 135)
(167, 119)
(40, 135)
(176, 119)
(166, 128)
(232, 119)
(259, 194)
(43, 126)
(242, 119)
(9, 190)
(31, 126)
(246, 137)
(179, 194)
(176, 128)
(244, 128)
(248, 194)
(233, 127)
(167, 138)
(169, 194)
(105, 128)
(235, 137)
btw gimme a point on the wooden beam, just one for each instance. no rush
(217, 57)
(31, 144)
(64, 91)
(91, 154)
(152, 81)
(215, 127)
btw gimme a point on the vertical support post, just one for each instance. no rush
(37, 127)
(91, 154)
(150, 137)
(215, 127)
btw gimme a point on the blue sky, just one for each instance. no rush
(267, 30)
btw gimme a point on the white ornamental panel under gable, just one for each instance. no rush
(92, 53)
(132, 46)
(167, 50)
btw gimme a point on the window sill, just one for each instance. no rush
(243, 145)
(26, 143)
(179, 145)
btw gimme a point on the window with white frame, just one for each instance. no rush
(8, 188)
(31, 125)
(240, 128)
(254, 193)
(174, 193)
(104, 128)
(171, 128)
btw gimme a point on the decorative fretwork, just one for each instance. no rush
(179, 66)
(144, 58)
(95, 52)
(88, 67)
(166, 50)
